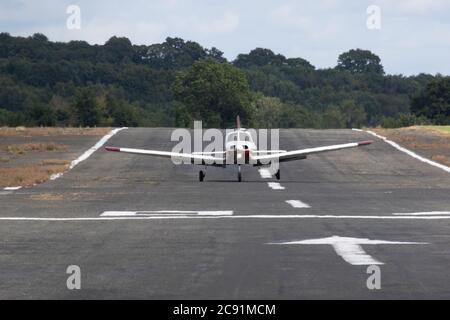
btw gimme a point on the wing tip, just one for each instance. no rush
(113, 149)
(364, 143)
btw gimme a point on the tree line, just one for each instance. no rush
(45, 83)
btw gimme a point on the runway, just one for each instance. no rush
(142, 227)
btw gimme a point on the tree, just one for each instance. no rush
(214, 92)
(360, 61)
(333, 118)
(42, 115)
(87, 109)
(434, 101)
(259, 57)
(117, 50)
(268, 112)
(354, 115)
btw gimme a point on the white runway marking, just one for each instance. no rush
(89, 152)
(12, 188)
(265, 173)
(275, 186)
(429, 213)
(298, 204)
(197, 216)
(349, 248)
(408, 152)
(160, 213)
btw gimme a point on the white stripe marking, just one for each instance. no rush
(349, 248)
(275, 186)
(429, 213)
(89, 152)
(410, 153)
(265, 173)
(12, 188)
(298, 204)
(266, 216)
(163, 213)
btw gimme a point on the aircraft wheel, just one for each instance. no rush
(277, 175)
(239, 177)
(201, 175)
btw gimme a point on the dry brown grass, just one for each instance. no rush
(47, 197)
(48, 131)
(441, 159)
(28, 175)
(36, 146)
(71, 196)
(55, 162)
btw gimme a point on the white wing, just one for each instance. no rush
(301, 154)
(195, 158)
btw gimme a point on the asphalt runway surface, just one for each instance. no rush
(212, 239)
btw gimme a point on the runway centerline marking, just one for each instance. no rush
(275, 186)
(298, 204)
(348, 248)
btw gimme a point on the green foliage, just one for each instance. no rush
(360, 61)
(87, 109)
(214, 92)
(434, 101)
(353, 115)
(404, 120)
(176, 81)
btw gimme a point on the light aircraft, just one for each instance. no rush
(239, 150)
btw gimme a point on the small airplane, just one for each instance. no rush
(239, 150)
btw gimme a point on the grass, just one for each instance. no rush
(444, 129)
(31, 174)
(48, 131)
(40, 146)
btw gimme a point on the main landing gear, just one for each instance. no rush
(277, 175)
(201, 175)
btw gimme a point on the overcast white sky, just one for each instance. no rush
(414, 35)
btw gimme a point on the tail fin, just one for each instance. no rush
(238, 122)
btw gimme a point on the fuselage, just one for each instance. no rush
(239, 146)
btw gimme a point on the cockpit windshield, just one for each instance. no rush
(239, 136)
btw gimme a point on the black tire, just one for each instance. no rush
(277, 175)
(239, 177)
(201, 175)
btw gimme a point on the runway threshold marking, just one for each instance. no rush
(275, 186)
(89, 152)
(408, 152)
(348, 248)
(298, 204)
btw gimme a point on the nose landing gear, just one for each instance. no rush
(277, 175)
(239, 174)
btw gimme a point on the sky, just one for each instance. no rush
(410, 36)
